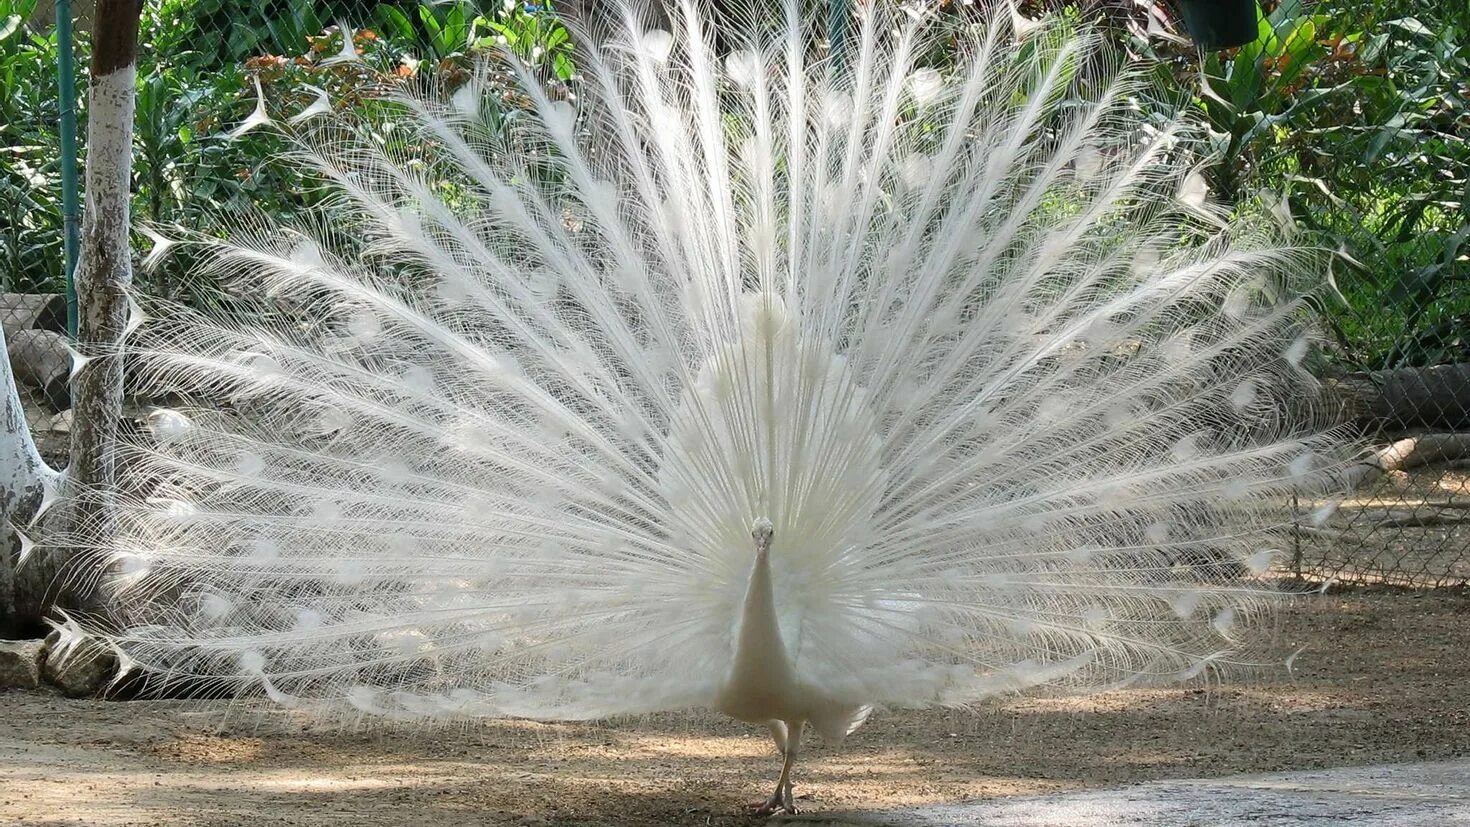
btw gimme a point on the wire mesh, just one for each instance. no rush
(1402, 370)
(1400, 357)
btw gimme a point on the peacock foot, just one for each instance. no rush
(781, 802)
(772, 807)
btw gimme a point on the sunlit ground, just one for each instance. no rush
(1404, 528)
(1381, 680)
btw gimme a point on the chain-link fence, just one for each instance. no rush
(1402, 527)
(1399, 354)
(36, 344)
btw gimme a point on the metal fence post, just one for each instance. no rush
(70, 209)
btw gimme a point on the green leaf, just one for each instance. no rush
(1412, 26)
(243, 40)
(22, 9)
(1300, 49)
(430, 21)
(9, 26)
(1245, 68)
(456, 33)
(394, 22)
(511, 35)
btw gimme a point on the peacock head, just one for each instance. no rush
(763, 532)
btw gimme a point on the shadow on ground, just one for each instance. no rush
(1380, 681)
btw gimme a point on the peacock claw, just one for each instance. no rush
(780, 803)
(771, 808)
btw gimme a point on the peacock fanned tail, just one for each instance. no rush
(485, 432)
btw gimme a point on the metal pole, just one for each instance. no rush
(837, 22)
(71, 213)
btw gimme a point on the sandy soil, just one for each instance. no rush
(1382, 679)
(1402, 528)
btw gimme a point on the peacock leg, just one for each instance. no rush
(788, 741)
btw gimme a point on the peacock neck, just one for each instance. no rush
(759, 648)
(761, 685)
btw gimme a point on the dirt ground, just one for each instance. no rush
(1382, 679)
(1402, 528)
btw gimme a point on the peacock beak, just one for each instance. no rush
(763, 532)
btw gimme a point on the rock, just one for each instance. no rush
(32, 311)
(20, 664)
(42, 363)
(80, 668)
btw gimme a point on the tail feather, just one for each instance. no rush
(1021, 410)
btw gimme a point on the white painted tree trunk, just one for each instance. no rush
(23, 478)
(104, 274)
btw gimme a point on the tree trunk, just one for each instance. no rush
(1432, 397)
(41, 361)
(32, 311)
(23, 479)
(1425, 449)
(104, 274)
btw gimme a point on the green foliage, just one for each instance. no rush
(30, 171)
(191, 167)
(1401, 203)
(1348, 119)
(448, 32)
(199, 62)
(209, 34)
(1251, 92)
